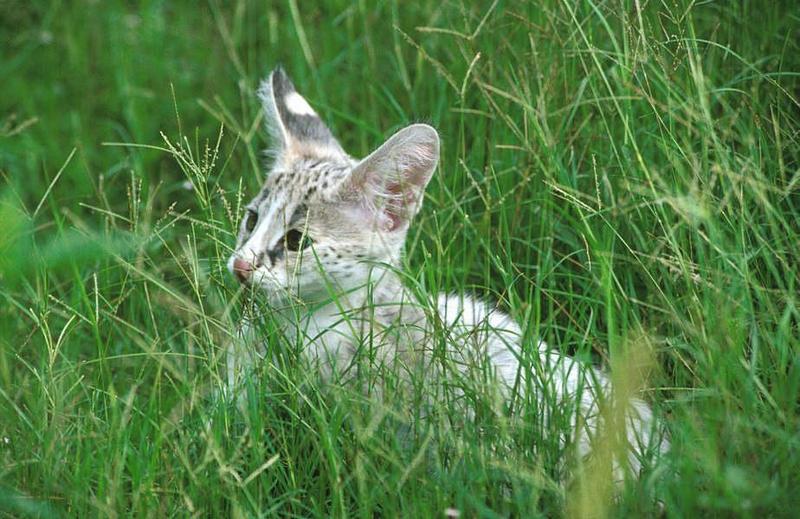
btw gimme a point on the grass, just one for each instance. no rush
(622, 176)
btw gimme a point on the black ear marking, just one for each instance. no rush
(289, 115)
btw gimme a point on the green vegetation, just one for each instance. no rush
(622, 176)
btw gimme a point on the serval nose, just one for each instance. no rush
(243, 269)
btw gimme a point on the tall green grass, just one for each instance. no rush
(621, 176)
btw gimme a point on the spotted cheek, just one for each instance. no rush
(308, 267)
(302, 270)
(267, 279)
(291, 275)
(357, 274)
(288, 266)
(347, 273)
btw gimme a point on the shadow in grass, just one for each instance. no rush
(22, 254)
(17, 504)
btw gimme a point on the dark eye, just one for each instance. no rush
(296, 240)
(251, 220)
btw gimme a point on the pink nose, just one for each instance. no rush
(242, 269)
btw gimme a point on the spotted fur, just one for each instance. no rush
(325, 235)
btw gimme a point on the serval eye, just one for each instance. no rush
(296, 240)
(252, 220)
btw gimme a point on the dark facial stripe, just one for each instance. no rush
(276, 253)
(263, 195)
(299, 215)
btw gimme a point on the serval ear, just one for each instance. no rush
(392, 179)
(295, 127)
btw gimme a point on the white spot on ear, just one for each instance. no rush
(297, 104)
